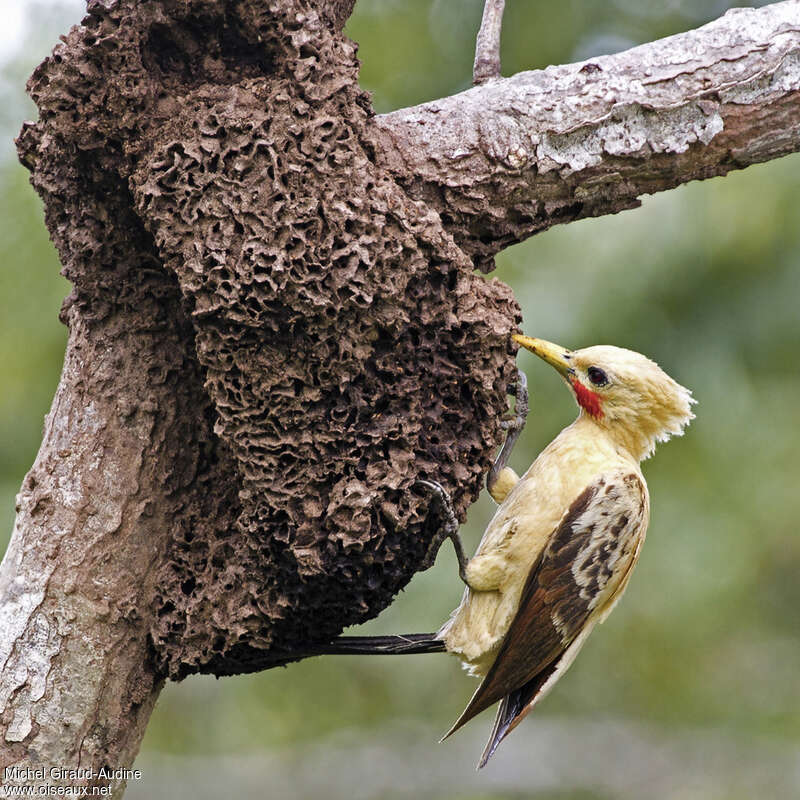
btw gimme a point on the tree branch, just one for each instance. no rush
(487, 45)
(504, 161)
(77, 684)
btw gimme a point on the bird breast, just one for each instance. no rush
(518, 533)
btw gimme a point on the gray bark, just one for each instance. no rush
(75, 679)
(504, 161)
(486, 65)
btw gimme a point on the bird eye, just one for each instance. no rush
(597, 376)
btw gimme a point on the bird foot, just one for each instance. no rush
(513, 427)
(448, 529)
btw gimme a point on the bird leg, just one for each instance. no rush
(501, 479)
(447, 530)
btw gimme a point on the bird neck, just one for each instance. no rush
(637, 444)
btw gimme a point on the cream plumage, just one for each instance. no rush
(560, 549)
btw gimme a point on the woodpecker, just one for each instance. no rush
(559, 551)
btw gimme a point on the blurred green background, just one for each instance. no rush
(692, 688)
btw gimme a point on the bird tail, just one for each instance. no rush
(514, 707)
(505, 715)
(394, 645)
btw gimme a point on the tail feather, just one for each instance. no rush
(397, 644)
(514, 707)
(507, 711)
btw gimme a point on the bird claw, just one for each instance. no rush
(512, 423)
(448, 530)
(520, 391)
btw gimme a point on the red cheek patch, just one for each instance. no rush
(587, 399)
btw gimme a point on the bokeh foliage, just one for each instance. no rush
(705, 279)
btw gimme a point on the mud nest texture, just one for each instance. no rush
(345, 344)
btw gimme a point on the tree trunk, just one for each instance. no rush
(276, 329)
(123, 468)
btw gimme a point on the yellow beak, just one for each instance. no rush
(555, 355)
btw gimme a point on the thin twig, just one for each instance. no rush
(487, 45)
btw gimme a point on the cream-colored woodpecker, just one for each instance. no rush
(559, 551)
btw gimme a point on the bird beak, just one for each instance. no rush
(555, 355)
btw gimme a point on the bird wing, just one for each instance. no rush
(585, 562)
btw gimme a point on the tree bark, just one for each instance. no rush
(124, 466)
(486, 65)
(504, 161)
(275, 327)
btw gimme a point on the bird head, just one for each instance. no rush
(620, 390)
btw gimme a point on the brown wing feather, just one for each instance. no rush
(555, 604)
